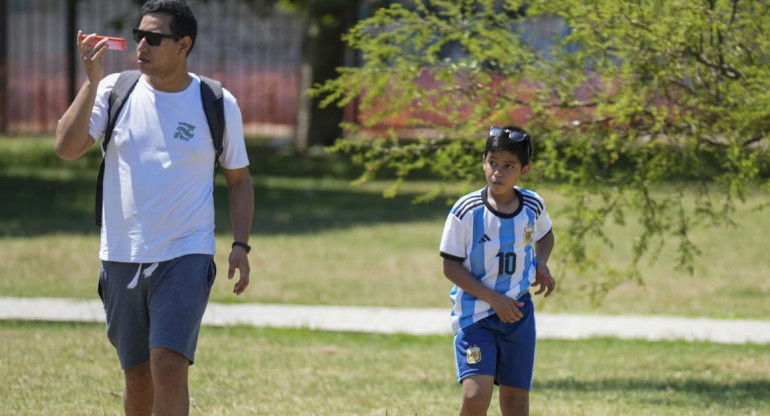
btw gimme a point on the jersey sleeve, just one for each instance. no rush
(100, 112)
(453, 240)
(234, 154)
(543, 224)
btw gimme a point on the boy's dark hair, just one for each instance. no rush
(183, 22)
(511, 138)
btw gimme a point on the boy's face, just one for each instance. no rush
(503, 170)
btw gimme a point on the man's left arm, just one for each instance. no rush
(240, 195)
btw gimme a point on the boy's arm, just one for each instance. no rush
(72, 138)
(506, 308)
(240, 193)
(543, 278)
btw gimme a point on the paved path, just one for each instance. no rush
(418, 321)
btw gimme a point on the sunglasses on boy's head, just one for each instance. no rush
(153, 38)
(515, 135)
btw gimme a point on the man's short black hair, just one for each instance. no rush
(511, 138)
(183, 22)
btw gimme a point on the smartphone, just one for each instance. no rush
(112, 43)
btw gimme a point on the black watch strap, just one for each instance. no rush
(242, 245)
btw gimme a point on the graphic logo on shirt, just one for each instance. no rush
(484, 239)
(184, 131)
(528, 234)
(473, 354)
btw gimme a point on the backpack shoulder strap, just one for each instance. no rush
(120, 92)
(214, 107)
(123, 87)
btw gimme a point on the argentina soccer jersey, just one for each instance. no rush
(495, 247)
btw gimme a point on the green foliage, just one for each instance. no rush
(632, 94)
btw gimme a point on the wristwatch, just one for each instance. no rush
(242, 245)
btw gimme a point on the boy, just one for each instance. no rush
(487, 246)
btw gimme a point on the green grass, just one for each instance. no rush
(320, 240)
(70, 369)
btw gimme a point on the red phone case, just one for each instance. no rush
(112, 43)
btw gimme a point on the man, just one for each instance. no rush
(157, 236)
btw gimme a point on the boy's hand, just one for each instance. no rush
(544, 280)
(507, 309)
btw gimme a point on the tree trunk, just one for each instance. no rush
(4, 67)
(322, 52)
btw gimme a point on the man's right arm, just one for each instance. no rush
(72, 138)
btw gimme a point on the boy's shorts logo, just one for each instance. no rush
(184, 131)
(473, 354)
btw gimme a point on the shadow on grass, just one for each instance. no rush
(36, 200)
(282, 210)
(705, 390)
(36, 206)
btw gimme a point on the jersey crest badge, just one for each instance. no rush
(473, 354)
(528, 234)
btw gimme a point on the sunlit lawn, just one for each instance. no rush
(322, 241)
(319, 240)
(66, 369)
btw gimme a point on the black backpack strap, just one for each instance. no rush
(120, 92)
(214, 107)
(118, 97)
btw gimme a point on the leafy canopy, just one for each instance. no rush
(628, 95)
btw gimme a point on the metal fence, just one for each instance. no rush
(254, 54)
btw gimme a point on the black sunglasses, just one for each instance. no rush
(513, 135)
(153, 38)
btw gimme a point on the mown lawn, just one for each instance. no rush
(70, 369)
(321, 240)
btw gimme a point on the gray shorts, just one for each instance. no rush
(155, 305)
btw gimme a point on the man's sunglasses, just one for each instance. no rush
(513, 135)
(153, 38)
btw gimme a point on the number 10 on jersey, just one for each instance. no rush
(506, 262)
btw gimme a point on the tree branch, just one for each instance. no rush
(726, 70)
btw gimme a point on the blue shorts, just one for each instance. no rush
(155, 305)
(503, 350)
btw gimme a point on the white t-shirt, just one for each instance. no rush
(159, 167)
(495, 248)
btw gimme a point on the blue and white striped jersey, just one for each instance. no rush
(494, 247)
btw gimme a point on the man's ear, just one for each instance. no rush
(185, 44)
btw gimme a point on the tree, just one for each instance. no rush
(633, 94)
(322, 53)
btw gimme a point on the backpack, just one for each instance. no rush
(213, 106)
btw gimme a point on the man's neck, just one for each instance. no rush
(175, 82)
